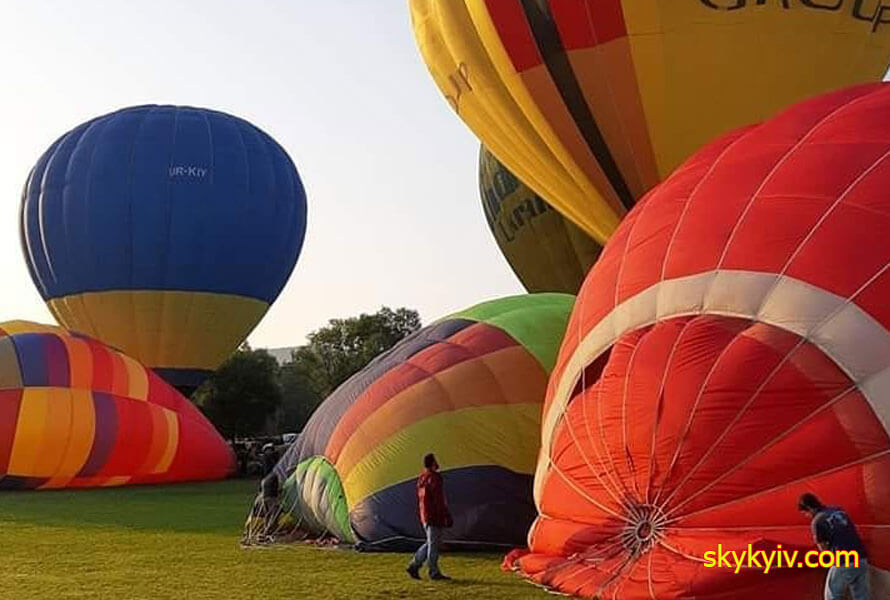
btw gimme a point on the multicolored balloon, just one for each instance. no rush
(547, 252)
(164, 231)
(728, 352)
(76, 413)
(468, 388)
(592, 102)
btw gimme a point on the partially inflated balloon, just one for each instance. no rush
(469, 388)
(729, 352)
(76, 413)
(164, 231)
(592, 102)
(547, 252)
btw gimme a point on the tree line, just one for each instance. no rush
(252, 395)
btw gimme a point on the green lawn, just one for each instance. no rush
(182, 542)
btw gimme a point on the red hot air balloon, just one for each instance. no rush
(729, 352)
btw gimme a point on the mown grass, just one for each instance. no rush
(182, 542)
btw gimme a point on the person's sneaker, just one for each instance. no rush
(440, 577)
(413, 571)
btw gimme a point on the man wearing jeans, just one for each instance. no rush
(434, 516)
(833, 530)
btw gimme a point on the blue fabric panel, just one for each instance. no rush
(163, 198)
(492, 507)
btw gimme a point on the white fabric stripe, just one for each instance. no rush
(852, 338)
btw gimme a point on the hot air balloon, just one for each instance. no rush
(468, 387)
(729, 352)
(163, 231)
(76, 413)
(592, 102)
(547, 252)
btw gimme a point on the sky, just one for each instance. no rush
(390, 171)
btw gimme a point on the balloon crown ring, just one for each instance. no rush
(645, 525)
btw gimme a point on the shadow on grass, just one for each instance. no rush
(212, 508)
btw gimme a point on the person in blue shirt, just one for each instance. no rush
(833, 530)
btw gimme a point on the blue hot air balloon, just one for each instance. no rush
(164, 231)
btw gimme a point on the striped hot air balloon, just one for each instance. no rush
(469, 388)
(76, 413)
(592, 102)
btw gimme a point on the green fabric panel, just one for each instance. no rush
(537, 321)
(313, 497)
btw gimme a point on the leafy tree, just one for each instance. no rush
(334, 353)
(242, 394)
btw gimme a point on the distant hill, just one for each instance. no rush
(282, 355)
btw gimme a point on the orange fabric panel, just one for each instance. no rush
(475, 382)
(80, 362)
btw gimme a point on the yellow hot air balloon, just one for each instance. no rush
(547, 252)
(592, 102)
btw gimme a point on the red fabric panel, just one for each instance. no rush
(201, 454)
(134, 430)
(588, 23)
(103, 367)
(10, 401)
(714, 424)
(721, 424)
(515, 33)
(468, 343)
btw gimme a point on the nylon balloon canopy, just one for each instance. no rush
(77, 413)
(592, 102)
(547, 252)
(729, 352)
(469, 388)
(165, 231)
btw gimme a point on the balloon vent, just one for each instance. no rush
(645, 524)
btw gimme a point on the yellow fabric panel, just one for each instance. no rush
(485, 435)
(172, 433)
(80, 439)
(116, 481)
(56, 431)
(466, 73)
(29, 432)
(17, 327)
(136, 377)
(477, 382)
(185, 330)
(691, 95)
(683, 75)
(600, 217)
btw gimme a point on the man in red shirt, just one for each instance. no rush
(434, 516)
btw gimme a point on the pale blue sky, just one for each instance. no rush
(390, 171)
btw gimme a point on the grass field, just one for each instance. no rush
(182, 542)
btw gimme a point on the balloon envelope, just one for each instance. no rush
(547, 252)
(592, 102)
(729, 352)
(76, 413)
(469, 388)
(164, 231)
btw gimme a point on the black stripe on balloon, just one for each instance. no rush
(557, 61)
